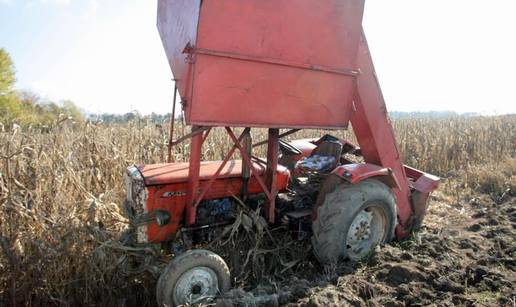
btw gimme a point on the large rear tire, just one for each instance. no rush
(194, 277)
(351, 220)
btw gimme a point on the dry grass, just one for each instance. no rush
(60, 193)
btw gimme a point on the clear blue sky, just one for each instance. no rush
(107, 57)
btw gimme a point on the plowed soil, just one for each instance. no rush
(464, 255)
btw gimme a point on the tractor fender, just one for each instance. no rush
(357, 172)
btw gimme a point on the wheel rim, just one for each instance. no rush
(195, 285)
(367, 230)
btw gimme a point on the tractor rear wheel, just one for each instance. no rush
(194, 277)
(351, 220)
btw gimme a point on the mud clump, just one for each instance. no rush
(399, 274)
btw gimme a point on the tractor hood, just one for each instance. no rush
(168, 173)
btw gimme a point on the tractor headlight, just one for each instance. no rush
(162, 217)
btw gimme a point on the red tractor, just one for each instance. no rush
(272, 64)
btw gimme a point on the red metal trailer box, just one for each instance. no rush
(263, 63)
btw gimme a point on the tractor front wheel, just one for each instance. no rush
(194, 277)
(351, 220)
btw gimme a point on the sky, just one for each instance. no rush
(106, 55)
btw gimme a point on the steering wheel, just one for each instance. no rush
(289, 149)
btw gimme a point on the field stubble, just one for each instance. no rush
(60, 218)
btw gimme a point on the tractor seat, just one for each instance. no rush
(171, 173)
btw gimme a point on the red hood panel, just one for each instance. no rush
(166, 173)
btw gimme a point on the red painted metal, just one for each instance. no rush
(422, 182)
(306, 146)
(271, 174)
(169, 183)
(190, 135)
(296, 59)
(247, 160)
(194, 167)
(206, 134)
(206, 189)
(354, 173)
(177, 25)
(172, 122)
(244, 57)
(375, 135)
(284, 134)
(422, 185)
(177, 173)
(276, 64)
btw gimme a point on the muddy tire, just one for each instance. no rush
(351, 220)
(196, 276)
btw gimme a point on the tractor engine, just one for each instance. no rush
(217, 211)
(156, 197)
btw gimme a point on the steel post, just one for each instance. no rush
(172, 122)
(271, 174)
(247, 144)
(193, 176)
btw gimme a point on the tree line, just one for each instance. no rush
(25, 108)
(108, 118)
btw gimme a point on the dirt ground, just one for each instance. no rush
(465, 255)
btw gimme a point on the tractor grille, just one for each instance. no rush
(136, 202)
(137, 193)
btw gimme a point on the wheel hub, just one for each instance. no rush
(359, 238)
(195, 285)
(361, 227)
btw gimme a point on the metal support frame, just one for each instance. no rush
(172, 122)
(247, 142)
(375, 135)
(247, 159)
(371, 126)
(284, 134)
(196, 130)
(193, 175)
(206, 134)
(194, 194)
(271, 174)
(195, 202)
(245, 57)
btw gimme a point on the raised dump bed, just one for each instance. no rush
(263, 63)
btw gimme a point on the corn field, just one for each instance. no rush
(61, 191)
